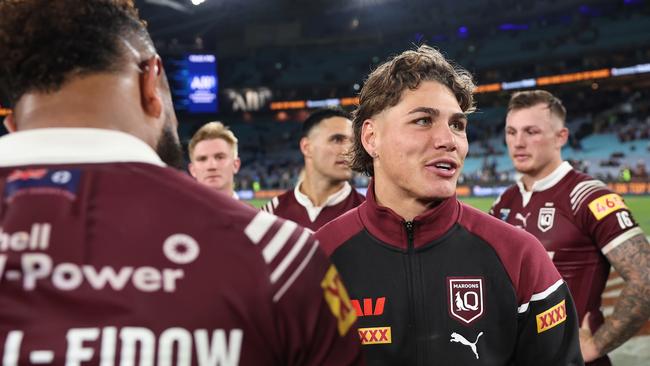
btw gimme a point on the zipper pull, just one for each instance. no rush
(409, 232)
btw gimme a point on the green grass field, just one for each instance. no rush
(639, 205)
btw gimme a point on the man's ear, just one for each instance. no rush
(305, 145)
(369, 137)
(10, 123)
(192, 170)
(150, 98)
(237, 165)
(563, 137)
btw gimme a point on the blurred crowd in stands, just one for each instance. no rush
(619, 120)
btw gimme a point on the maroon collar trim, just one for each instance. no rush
(387, 226)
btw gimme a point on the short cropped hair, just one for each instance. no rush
(45, 43)
(211, 131)
(530, 98)
(319, 115)
(384, 86)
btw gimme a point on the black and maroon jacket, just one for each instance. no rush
(109, 257)
(449, 288)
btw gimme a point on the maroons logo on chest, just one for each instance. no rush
(465, 298)
(545, 218)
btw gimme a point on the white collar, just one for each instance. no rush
(74, 146)
(334, 199)
(545, 183)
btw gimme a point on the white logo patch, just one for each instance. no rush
(545, 218)
(465, 298)
(457, 338)
(522, 218)
(181, 248)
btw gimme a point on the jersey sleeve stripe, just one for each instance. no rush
(288, 259)
(622, 239)
(259, 226)
(584, 195)
(540, 295)
(582, 186)
(296, 273)
(275, 201)
(279, 240)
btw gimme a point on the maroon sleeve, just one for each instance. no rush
(604, 216)
(548, 325)
(338, 231)
(313, 310)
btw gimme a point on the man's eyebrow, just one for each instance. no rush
(427, 110)
(338, 135)
(459, 116)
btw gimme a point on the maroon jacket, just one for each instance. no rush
(295, 206)
(115, 257)
(449, 288)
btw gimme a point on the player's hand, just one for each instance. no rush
(587, 345)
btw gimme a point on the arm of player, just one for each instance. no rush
(548, 329)
(314, 312)
(631, 259)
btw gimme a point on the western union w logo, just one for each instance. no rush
(338, 300)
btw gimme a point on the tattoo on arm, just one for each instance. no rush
(631, 260)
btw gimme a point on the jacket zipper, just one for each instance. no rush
(410, 228)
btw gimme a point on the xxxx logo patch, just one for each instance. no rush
(338, 300)
(551, 317)
(376, 335)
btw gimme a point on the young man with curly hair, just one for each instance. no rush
(107, 255)
(436, 282)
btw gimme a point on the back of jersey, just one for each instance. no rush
(129, 263)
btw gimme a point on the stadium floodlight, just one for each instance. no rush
(170, 4)
(198, 2)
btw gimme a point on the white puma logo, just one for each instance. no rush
(460, 305)
(523, 218)
(455, 337)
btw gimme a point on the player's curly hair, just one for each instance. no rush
(44, 42)
(384, 86)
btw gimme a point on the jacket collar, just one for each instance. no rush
(387, 226)
(74, 146)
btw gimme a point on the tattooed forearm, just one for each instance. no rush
(632, 260)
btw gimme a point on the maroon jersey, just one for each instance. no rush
(295, 206)
(578, 220)
(107, 255)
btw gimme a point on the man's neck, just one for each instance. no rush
(97, 101)
(319, 189)
(402, 204)
(227, 191)
(529, 180)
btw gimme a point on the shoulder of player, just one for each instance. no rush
(522, 255)
(506, 196)
(356, 196)
(584, 189)
(278, 202)
(336, 232)
(181, 196)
